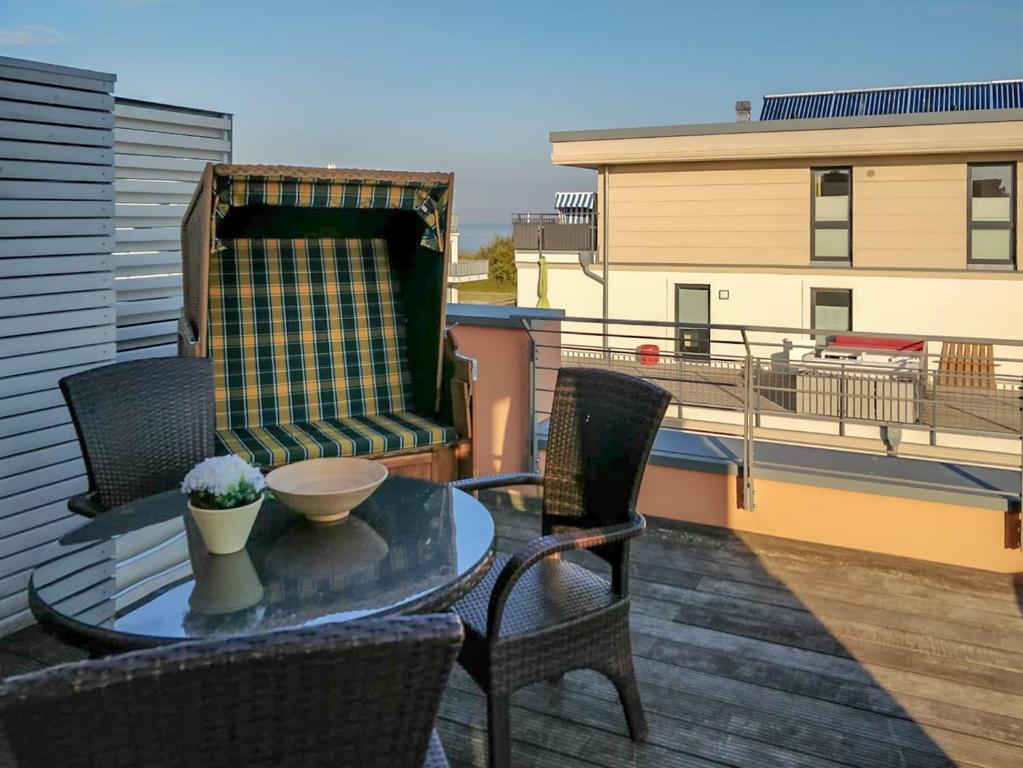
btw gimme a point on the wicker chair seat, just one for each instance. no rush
(551, 593)
(276, 444)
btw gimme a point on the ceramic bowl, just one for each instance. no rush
(326, 490)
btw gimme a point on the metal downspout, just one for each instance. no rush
(584, 262)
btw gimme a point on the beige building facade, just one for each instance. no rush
(884, 223)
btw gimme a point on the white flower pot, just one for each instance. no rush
(225, 530)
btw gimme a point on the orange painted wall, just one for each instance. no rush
(927, 530)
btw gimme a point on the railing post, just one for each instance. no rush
(931, 398)
(606, 298)
(749, 501)
(843, 393)
(534, 447)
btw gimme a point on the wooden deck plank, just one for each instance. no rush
(590, 700)
(816, 738)
(742, 648)
(817, 613)
(586, 736)
(879, 708)
(971, 665)
(897, 729)
(778, 562)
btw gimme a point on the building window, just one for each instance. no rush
(830, 310)
(831, 215)
(692, 307)
(991, 215)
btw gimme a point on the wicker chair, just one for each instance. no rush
(141, 425)
(360, 694)
(535, 617)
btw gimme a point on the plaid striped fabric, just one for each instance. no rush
(429, 201)
(308, 349)
(272, 445)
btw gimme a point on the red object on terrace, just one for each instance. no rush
(874, 342)
(648, 354)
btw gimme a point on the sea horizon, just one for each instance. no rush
(474, 236)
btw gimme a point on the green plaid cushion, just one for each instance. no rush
(273, 445)
(304, 330)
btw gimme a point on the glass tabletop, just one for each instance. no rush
(140, 574)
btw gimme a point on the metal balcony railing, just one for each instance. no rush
(939, 398)
(556, 232)
(468, 270)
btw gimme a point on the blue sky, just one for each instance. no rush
(475, 87)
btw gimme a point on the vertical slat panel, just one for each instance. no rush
(57, 312)
(160, 154)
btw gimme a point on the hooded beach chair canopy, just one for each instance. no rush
(427, 194)
(319, 294)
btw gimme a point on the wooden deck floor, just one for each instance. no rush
(757, 652)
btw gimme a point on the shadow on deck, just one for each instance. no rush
(753, 651)
(761, 652)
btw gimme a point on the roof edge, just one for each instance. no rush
(801, 124)
(146, 103)
(332, 174)
(57, 69)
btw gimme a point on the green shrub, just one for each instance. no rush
(501, 254)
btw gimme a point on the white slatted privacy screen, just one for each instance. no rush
(87, 275)
(161, 151)
(57, 303)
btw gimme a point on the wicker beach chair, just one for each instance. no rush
(361, 694)
(319, 296)
(141, 426)
(535, 617)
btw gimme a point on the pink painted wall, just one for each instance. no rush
(501, 395)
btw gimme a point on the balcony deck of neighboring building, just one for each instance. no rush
(720, 384)
(468, 270)
(556, 232)
(756, 651)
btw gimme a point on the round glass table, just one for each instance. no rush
(140, 576)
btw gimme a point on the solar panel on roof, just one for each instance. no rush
(953, 97)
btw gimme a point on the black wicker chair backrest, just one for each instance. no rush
(141, 424)
(358, 694)
(602, 428)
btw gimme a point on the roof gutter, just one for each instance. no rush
(803, 124)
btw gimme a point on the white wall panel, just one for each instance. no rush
(160, 154)
(92, 190)
(57, 310)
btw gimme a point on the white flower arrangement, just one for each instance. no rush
(223, 482)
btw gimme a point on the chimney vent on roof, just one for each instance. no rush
(742, 111)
